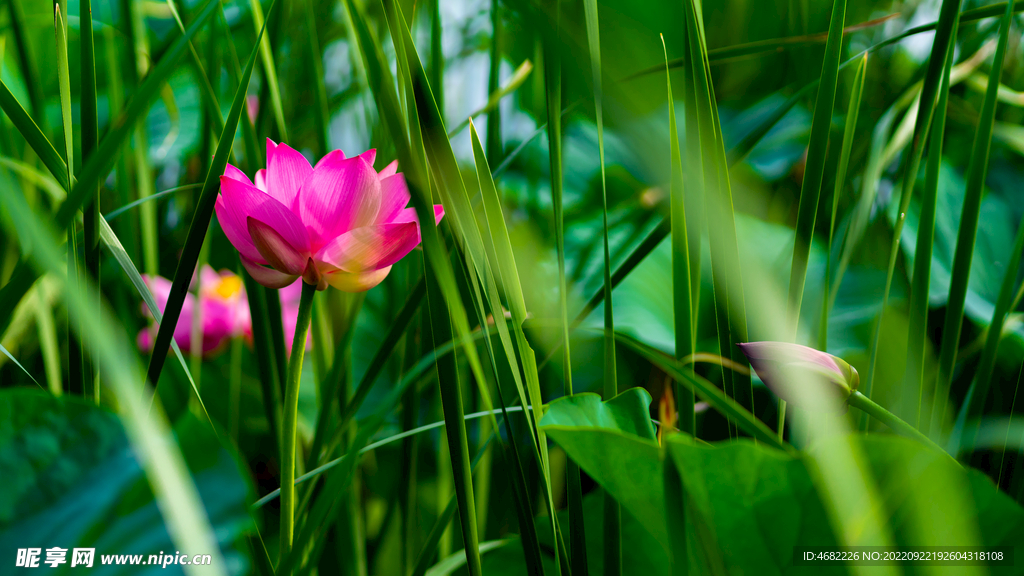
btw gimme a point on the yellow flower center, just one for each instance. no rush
(227, 287)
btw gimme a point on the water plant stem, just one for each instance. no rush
(869, 407)
(291, 413)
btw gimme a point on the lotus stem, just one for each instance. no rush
(291, 414)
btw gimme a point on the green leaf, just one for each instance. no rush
(626, 465)
(627, 412)
(74, 481)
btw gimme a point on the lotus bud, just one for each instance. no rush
(802, 376)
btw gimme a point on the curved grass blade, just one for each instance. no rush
(205, 87)
(944, 36)
(977, 169)
(514, 82)
(18, 364)
(30, 131)
(918, 316)
(200, 223)
(119, 211)
(99, 163)
(817, 148)
(852, 112)
(113, 244)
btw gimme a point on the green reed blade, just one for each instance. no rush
(917, 334)
(852, 112)
(113, 244)
(101, 161)
(817, 147)
(682, 302)
(90, 140)
(944, 35)
(977, 170)
(975, 183)
(200, 224)
(491, 107)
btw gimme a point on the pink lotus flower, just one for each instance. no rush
(784, 366)
(224, 311)
(339, 223)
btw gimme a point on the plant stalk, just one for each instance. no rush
(291, 414)
(869, 407)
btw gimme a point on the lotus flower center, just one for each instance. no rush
(227, 286)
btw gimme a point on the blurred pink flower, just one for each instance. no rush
(781, 365)
(290, 296)
(339, 223)
(224, 311)
(252, 107)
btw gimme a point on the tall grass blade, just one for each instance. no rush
(495, 147)
(852, 112)
(917, 336)
(90, 140)
(200, 223)
(682, 304)
(944, 35)
(26, 59)
(498, 236)
(977, 170)
(322, 115)
(725, 262)
(102, 160)
(817, 148)
(10, 356)
(612, 515)
(983, 377)
(113, 244)
(76, 379)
